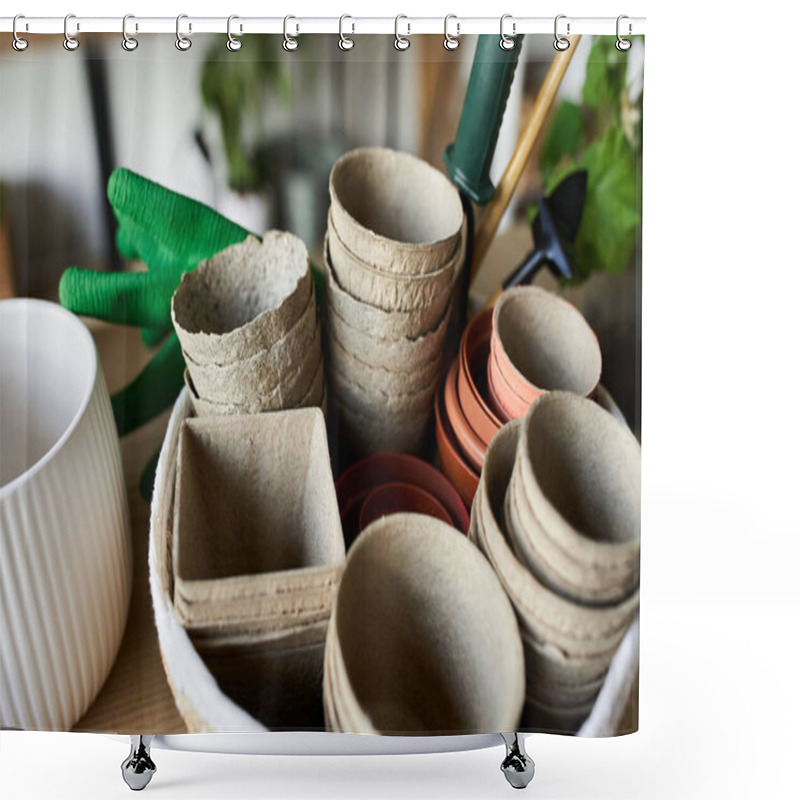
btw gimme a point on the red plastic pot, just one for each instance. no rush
(358, 481)
(398, 498)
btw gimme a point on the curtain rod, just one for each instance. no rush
(298, 25)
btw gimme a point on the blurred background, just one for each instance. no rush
(255, 133)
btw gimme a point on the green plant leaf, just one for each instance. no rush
(607, 234)
(563, 139)
(606, 74)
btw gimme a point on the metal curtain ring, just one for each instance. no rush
(507, 42)
(345, 43)
(234, 44)
(401, 42)
(560, 42)
(70, 42)
(623, 44)
(451, 42)
(289, 43)
(183, 43)
(129, 43)
(18, 43)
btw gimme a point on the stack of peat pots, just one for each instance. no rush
(248, 327)
(532, 342)
(557, 512)
(393, 254)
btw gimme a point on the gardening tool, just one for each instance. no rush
(469, 157)
(530, 134)
(554, 230)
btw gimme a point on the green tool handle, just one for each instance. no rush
(469, 158)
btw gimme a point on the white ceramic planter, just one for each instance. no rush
(65, 551)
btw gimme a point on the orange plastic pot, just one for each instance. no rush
(454, 465)
(472, 386)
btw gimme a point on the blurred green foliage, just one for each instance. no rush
(235, 87)
(602, 135)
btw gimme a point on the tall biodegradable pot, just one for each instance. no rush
(395, 211)
(65, 550)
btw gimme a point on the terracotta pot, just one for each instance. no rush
(454, 465)
(468, 441)
(398, 498)
(473, 394)
(510, 404)
(358, 481)
(491, 392)
(540, 343)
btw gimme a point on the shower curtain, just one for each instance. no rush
(320, 382)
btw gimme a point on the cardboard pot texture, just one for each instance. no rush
(266, 565)
(540, 342)
(378, 322)
(388, 290)
(380, 379)
(394, 210)
(261, 374)
(544, 615)
(314, 396)
(580, 472)
(285, 516)
(568, 647)
(399, 354)
(243, 299)
(429, 642)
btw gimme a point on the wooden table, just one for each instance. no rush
(136, 697)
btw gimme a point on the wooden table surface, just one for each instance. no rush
(136, 697)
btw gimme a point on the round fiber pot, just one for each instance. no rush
(454, 465)
(429, 641)
(472, 387)
(359, 480)
(416, 376)
(544, 614)
(389, 290)
(65, 541)
(580, 472)
(291, 360)
(395, 211)
(400, 498)
(242, 300)
(540, 343)
(414, 325)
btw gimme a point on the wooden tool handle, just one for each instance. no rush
(508, 183)
(490, 303)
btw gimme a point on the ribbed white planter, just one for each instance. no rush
(65, 549)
